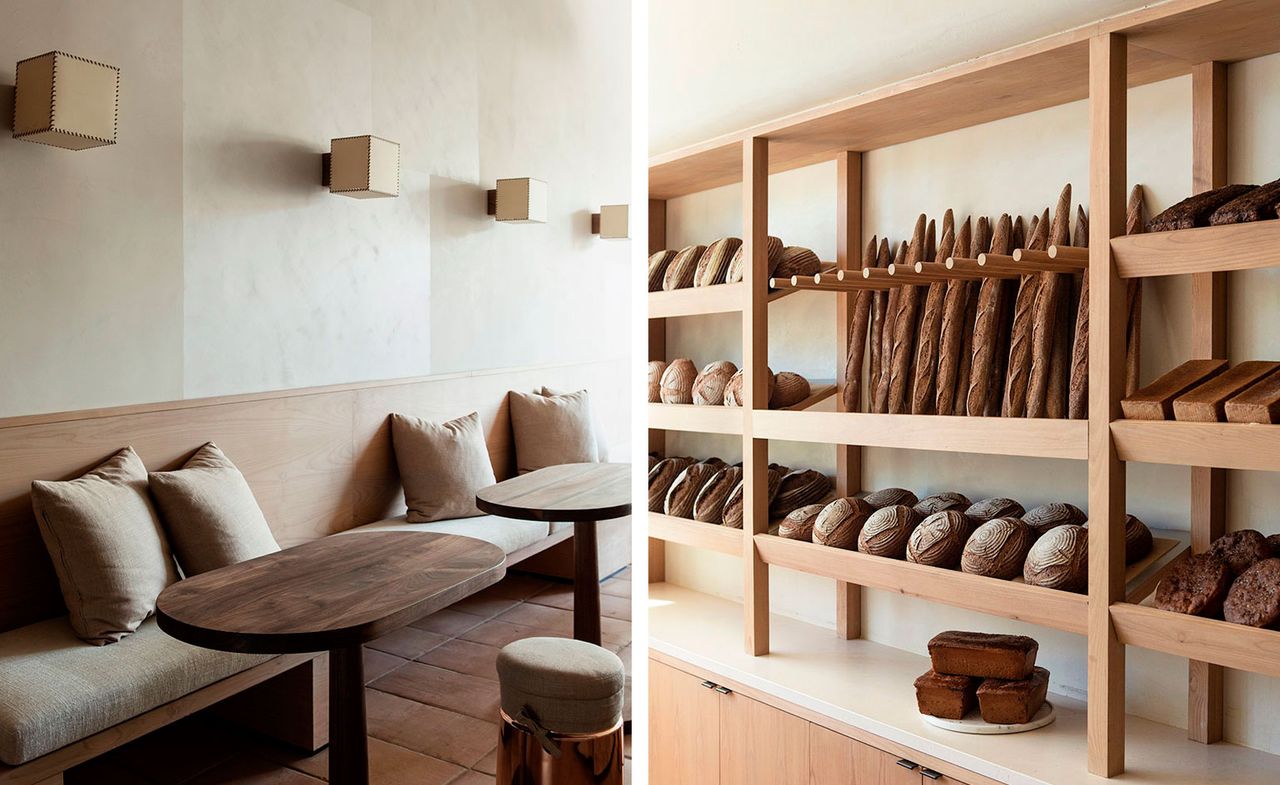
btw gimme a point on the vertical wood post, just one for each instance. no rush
(1208, 340)
(1108, 107)
(657, 351)
(848, 457)
(755, 390)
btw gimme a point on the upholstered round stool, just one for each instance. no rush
(561, 713)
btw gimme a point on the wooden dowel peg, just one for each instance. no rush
(975, 268)
(1069, 253)
(1044, 261)
(1001, 263)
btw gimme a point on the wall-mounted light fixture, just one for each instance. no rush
(66, 101)
(362, 167)
(611, 222)
(519, 200)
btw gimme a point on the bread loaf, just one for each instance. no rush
(1016, 702)
(1254, 598)
(987, 340)
(939, 539)
(658, 264)
(709, 386)
(708, 506)
(887, 531)
(1240, 550)
(656, 368)
(955, 329)
(1196, 585)
(886, 497)
(983, 655)
(944, 695)
(713, 265)
(995, 507)
(905, 325)
(997, 549)
(1059, 560)
(840, 522)
(1137, 540)
(798, 525)
(684, 491)
(1047, 516)
(661, 476)
(788, 390)
(676, 385)
(737, 265)
(1273, 541)
(1018, 369)
(733, 507)
(733, 390)
(946, 500)
(1195, 210)
(798, 489)
(795, 260)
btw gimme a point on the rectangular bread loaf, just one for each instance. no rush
(1013, 702)
(1155, 401)
(982, 654)
(946, 696)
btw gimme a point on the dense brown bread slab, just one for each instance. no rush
(1207, 403)
(952, 332)
(887, 336)
(924, 385)
(1197, 585)
(1259, 403)
(947, 696)
(1256, 205)
(879, 303)
(1078, 377)
(997, 549)
(1241, 550)
(1046, 316)
(658, 268)
(986, 338)
(1254, 598)
(857, 344)
(904, 326)
(1195, 210)
(1018, 370)
(840, 522)
(1155, 401)
(887, 531)
(983, 655)
(1004, 702)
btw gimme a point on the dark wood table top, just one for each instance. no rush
(331, 593)
(567, 493)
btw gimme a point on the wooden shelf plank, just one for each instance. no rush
(696, 534)
(697, 300)
(1197, 638)
(1208, 249)
(1215, 444)
(981, 435)
(696, 419)
(1009, 599)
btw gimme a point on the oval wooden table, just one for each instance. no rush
(332, 595)
(577, 493)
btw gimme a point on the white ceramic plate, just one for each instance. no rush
(972, 723)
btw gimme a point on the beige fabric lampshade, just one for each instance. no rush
(66, 101)
(613, 221)
(364, 167)
(522, 200)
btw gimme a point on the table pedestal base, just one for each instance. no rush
(348, 742)
(586, 583)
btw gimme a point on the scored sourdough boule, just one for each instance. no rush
(1138, 541)
(1195, 210)
(733, 507)
(887, 497)
(708, 506)
(1197, 585)
(798, 525)
(939, 540)
(789, 389)
(656, 368)
(1254, 598)
(997, 549)
(1059, 559)
(661, 476)
(798, 489)
(983, 655)
(995, 507)
(709, 386)
(713, 265)
(658, 264)
(840, 522)
(1241, 550)
(887, 531)
(683, 267)
(733, 390)
(676, 385)
(1047, 516)
(737, 265)
(944, 500)
(684, 491)
(795, 260)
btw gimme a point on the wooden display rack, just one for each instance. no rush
(1098, 62)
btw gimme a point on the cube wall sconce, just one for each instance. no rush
(519, 200)
(66, 101)
(362, 167)
(611, 222)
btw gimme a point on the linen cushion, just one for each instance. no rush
(442, 465)
(210, 514)
(109, 552)
(508, 534)
(54, 690)
(602, 441)
(570, 686)
(551, 430)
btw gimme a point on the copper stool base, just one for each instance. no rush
(585, 759)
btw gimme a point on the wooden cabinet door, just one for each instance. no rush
(835, 759)
(684, 728)
(760, 745)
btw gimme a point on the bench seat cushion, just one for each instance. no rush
(508, 534)
(55, 689)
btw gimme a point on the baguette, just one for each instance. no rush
(924, 385)
(1018, 370)
(951, 340)
(1078, 384)
(886, 337)
(904, 325)
(879, 302)
(857, 343)
(986, 339)
(1046, 319)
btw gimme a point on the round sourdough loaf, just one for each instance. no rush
(997, 549)
(887, 497)
(798, 489)
(661, 476)
(708, 507)
(733, 507)
(788, 390)
(1045, 517)
(798, 525)
(939, 539)
(1138, 541)
(887, 531)
(995, 507)
(1197, 585)
(713, 266)
(656, 368)
(684, 491)
(733, 390)
(1241, 550)
(1254, 598)
(658, 264)
(676, 385)
(946, 500)
(737, 265)
(709, 386)
(683, 267)
(1059, 559)
(840, 522)
(795, 260)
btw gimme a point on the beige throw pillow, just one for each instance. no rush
(210, 513)
(442, 465)
(107, 547)
(552, 429)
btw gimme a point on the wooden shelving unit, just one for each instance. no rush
(1099, 62)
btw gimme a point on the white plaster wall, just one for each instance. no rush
(1017, 165)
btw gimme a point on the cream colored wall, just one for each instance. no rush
(201, 256)
(1016, 165)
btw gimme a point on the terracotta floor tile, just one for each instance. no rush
(617, 587)
(408, 642)
(557, 595)
(558, 620)
(516, 586)
(389, 764)
(485, 607)
(445, 689)
(499, 633)
(489, 763)
(448, 622)
(436, 732)
(252, 770)
(473, 778)
(461, 656)
(611, 606)
(379, 663)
